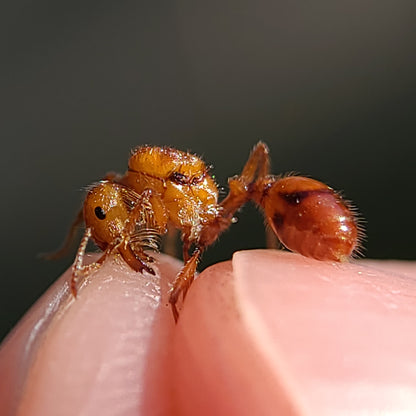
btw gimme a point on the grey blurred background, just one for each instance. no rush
(329, 85)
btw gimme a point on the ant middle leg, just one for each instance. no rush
(183, 281)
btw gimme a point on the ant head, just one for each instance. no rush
(106, 209)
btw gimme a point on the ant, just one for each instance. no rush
(165, 188)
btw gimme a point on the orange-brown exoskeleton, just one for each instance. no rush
(164, 187)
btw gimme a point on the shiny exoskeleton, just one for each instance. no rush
(164, 188)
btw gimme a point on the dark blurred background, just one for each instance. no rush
(330, 86)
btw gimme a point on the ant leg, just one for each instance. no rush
(240, 192)
(81, 270)
(183, 281)
(242, 189)
(186, 246)
(142, 215)
(137, 260)
(258, 162)
(256, 167)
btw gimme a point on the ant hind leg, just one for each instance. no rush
(241, 186)
(258, 162)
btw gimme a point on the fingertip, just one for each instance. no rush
(342, 333)
(277, 333)
(96, 353)
(268, 333)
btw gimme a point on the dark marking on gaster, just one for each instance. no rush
(295, 198)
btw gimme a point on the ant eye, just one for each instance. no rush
(178, 178)
(99, 213)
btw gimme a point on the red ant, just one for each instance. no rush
(164, 187)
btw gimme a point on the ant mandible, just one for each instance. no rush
(165, 187)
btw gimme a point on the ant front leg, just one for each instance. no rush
(81, 270)
(147, 215)
(138, 260)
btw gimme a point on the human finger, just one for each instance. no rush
(277, 333)
(103, 353)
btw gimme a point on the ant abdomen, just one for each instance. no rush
(309, 217)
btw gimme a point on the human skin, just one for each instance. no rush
(267, 333)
